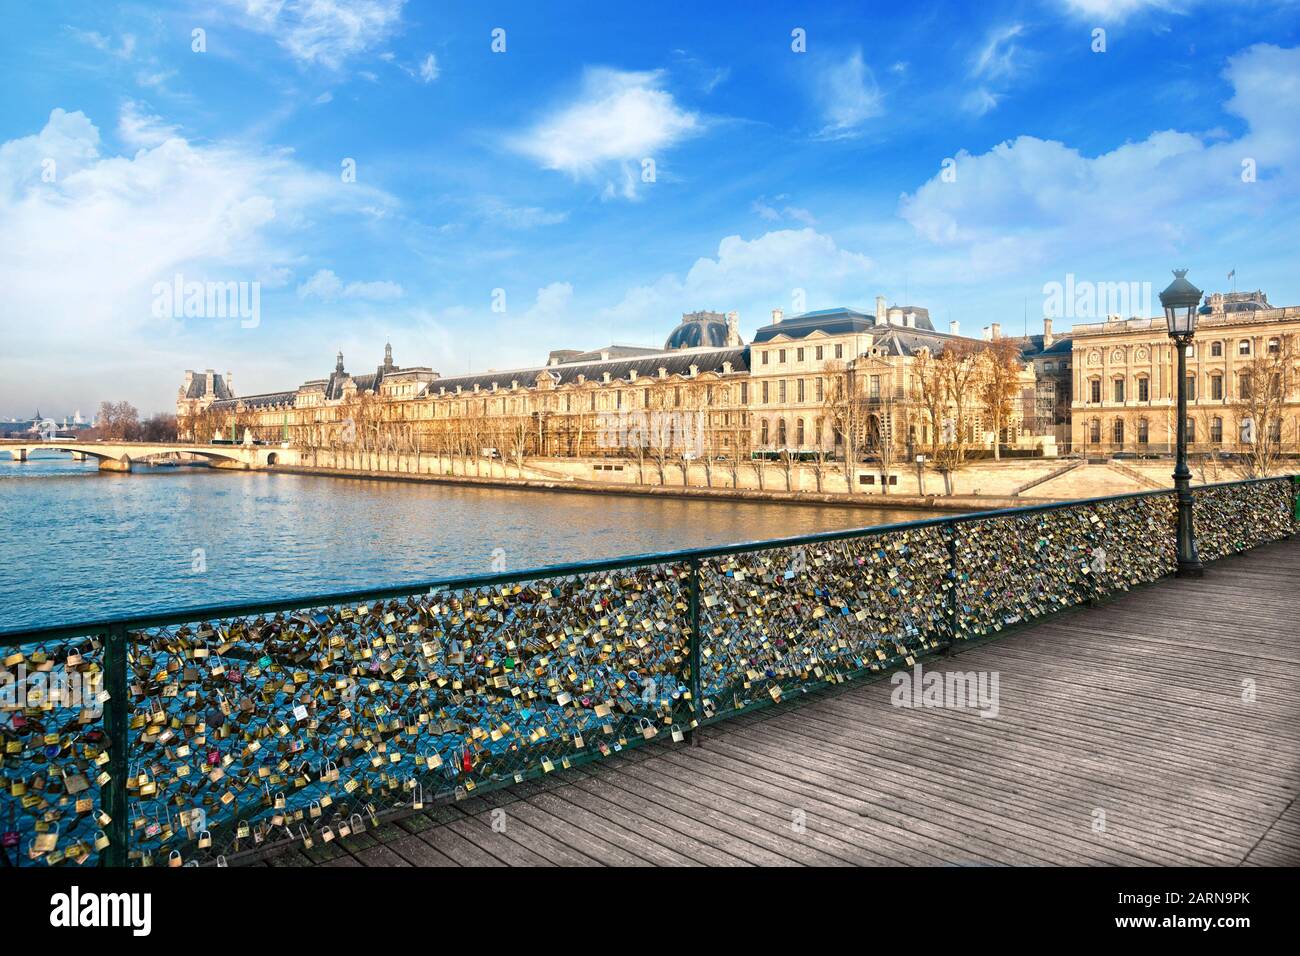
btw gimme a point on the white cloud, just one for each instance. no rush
(618, 119)
(137, 128)
(326, 97)
(751, 276)
(1113, 10)
(328, 287)
(847, 95)
(519, 217)
(324, 32)
(979, 101)
(997, 59)
(772, 213)
(1031, 200)
(84, 250)
(429, 69)
(123, 50)
(552, 301)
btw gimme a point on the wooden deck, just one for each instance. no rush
(1133, 709)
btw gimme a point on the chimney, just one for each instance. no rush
(777, 315)
(230, 388)
(207, 381)
(987, 333)
(1048, 338)
(954, 327)
(910, 320)
(997, 330)
(880, 310)
(733, 329)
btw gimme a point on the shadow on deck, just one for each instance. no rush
(1126, 734)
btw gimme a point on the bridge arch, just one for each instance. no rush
(119, 456)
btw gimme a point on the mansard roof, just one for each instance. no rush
(677, 362)
(265, 400)
(1032, 346)
(199, 387)
(829, 321)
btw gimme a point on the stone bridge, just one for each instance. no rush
(121, 455)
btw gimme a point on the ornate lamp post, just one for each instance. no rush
(1180, 302)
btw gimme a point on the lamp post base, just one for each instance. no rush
(1190, 570)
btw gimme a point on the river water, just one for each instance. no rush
(79, 544)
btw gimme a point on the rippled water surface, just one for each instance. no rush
(80, 545)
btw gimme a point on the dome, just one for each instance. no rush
(707, 329)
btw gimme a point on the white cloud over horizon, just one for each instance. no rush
(89, 233)
(328, 287)
(1029, 200)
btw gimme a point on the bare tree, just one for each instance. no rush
(844, 408)
(999, 383)
(1263, 383)
(118, 420)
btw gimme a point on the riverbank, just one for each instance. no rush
(959, 504)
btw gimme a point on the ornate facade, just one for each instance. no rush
(812, 385)
(1125, 396)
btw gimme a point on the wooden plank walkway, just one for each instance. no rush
(1126, 734)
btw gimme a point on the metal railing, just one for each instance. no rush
(217, 732)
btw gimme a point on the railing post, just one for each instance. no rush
(117, 716)
(950, 529)
(697, 696)
(1295, 502)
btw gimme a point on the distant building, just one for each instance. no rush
(782, 394)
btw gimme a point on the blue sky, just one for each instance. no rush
(779, 177)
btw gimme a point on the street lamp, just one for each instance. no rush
(1180, 303)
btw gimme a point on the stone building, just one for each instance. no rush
(1046, 409)
(1125, 396)
(811, 385)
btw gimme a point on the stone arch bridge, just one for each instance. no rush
(121, 455)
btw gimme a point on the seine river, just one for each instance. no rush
(79, 544)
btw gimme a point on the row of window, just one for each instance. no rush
(819, 353)
(1144, 431)
(1244, 347)
(1144, 388)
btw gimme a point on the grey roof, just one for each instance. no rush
(1032, 346)
(199, 387)
(830, 321)
(595, 355)
(900, 340)
(265, 400)
(677, 362)
(699, 330)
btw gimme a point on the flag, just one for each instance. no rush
(1232, 273)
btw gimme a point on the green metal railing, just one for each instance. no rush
(217, 732)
